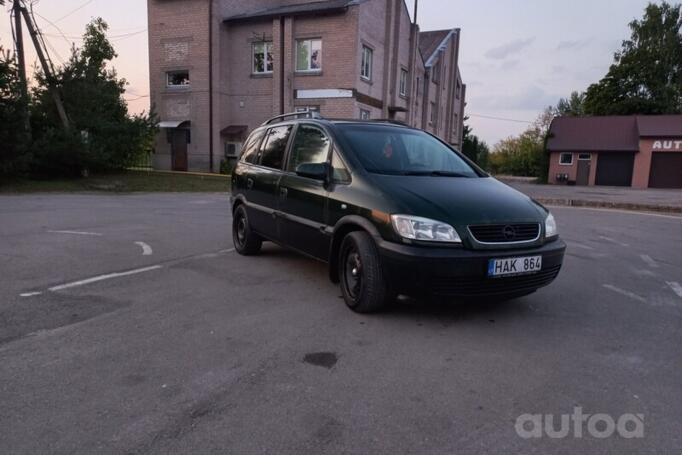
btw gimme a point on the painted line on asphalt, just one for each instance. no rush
(676, 287)
(146, 249)
(76, 233)
(30, 294)
(626, 212)
(609, 239)
(632, 295)
(649, 261)
(108, 276)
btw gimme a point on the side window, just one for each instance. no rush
(341, 173)
(311, 145)
(275, 146)
(250, 149)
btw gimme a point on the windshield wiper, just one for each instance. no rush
(436, 173)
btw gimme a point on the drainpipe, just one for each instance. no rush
(281, 65)
(210, 84)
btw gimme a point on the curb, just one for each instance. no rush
(611, 205)
(201, 174)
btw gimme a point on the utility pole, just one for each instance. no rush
(44, 63)
(21, 60)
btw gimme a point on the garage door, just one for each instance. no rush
(666, 170)
(615, 169)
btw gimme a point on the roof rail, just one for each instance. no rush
(301, 114)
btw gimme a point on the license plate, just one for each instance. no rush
(514, 266)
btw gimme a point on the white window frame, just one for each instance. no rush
(403, 82)
(309, 68)
(366, 62)
(365, 114)
(561, 155)
(267, 45)
(177, 86)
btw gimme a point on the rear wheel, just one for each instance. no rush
(246, 241)
(363, 284)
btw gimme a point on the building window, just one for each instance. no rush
(455, 124)
(435, 73)
(309, 55)
(366, 65)
(175, 79)
(364, 114)
(307, 108)
(585, 156)
(458, 89)
(262, 58)
(403, 82)
(434, 113)
(566, 159)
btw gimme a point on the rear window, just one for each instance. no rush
(385, 149)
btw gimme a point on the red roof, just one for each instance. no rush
(610, 133)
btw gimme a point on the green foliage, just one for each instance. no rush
(646, 76)
(474, 148)
(13, 139)
(573, 106)
(524, 155)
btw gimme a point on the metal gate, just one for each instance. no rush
(666, 170)
(615, 169)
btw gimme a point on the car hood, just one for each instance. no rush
(459, 201)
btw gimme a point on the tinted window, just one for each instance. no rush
(401, 151)
(341, 173)
(311, 145)
(250, 149)
(275, 146)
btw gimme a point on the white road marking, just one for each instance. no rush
(632, 295)
(609, 239)
(579, 245)
(146, 249)
(676, 287)
(30, 294)
(76, 233)
(649, 261)
(103, 277)
(627, 212)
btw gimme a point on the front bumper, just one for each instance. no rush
(458, 272)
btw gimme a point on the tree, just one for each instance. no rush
(103, 135)
(646, 76)
(573, 106)
(474, 148)
(13, 140)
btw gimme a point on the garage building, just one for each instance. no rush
(641, 151)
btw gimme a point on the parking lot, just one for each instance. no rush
(128, 325)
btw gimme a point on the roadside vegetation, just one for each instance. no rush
(645, 78)
(102, 136)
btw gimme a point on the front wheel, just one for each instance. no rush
(246, 242)
(363, 283)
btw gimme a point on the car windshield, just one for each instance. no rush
(384, 149)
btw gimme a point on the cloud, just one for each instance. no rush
(531, 97)
(512, 47)
(573, 44)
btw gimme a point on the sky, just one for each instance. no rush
(516, 57)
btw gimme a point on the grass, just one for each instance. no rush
(130, 181)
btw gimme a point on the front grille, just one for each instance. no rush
(505, 233)
(483, 285)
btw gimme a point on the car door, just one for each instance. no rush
(262, 181)
(302, 200)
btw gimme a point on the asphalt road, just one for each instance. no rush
(191, 348)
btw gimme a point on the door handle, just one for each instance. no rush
(283, 192)
(249, 184)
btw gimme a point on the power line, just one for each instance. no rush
(74, 10)
(500, 118)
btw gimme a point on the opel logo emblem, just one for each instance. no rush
(509, 232)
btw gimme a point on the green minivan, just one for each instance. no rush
(393, 210)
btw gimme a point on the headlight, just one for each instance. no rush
(550, 226)
(416, 228)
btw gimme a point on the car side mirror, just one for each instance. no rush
(317, 171)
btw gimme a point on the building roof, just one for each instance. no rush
(429, 42)
(610, 133)
(325, 6)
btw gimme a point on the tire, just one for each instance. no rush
(363, 283)
(246, 242)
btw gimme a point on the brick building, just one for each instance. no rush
(219, 68)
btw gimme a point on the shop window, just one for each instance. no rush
(566, 159)
(177, 79)
(262, 58)
(309, 55)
